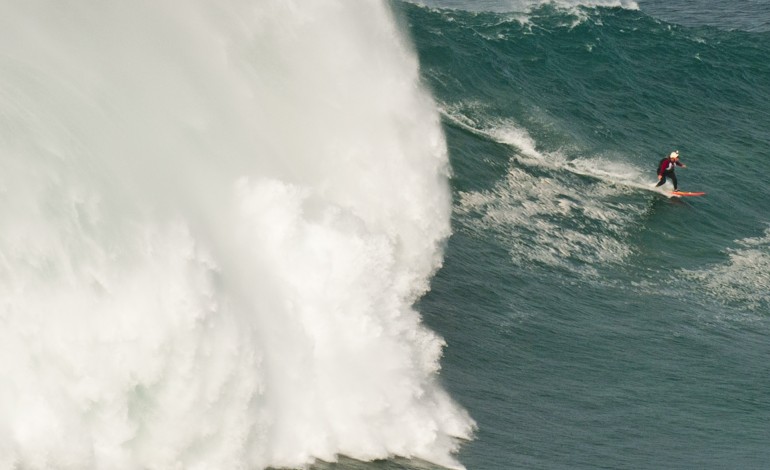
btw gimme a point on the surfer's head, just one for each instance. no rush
(674, 155)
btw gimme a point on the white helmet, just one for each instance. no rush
(674, 154)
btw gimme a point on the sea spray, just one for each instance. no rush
(216, 220)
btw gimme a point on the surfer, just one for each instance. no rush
(666, 169)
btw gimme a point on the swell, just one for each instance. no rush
(558, 116)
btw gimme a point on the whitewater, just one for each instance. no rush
(216, 221)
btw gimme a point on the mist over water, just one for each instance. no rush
(216, 220)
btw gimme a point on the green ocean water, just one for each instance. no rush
(592, 322)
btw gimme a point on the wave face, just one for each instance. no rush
(216, 221)
(558, 123)
(604, 323)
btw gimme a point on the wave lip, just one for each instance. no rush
(221, 219)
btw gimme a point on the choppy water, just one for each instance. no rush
(591, 322)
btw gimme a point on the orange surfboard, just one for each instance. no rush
(688, 193)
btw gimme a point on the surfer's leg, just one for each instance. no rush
(673, 180)
(662, 180)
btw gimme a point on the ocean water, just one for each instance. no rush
(384, 235)
(591, 322)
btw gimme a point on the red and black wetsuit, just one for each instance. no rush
(666, 170)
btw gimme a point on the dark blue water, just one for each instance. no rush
(592, 322)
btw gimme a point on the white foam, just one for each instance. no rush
(543, 220)
(498, 130)
(609, 169)
(626, 4)
(217, 219)
(555, 220)
(744, 278)
(528, 5)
